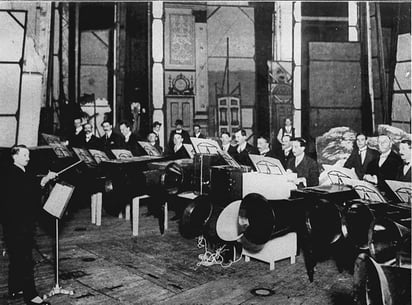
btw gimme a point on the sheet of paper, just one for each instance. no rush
(58, 199)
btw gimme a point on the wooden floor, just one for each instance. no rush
(106, 265)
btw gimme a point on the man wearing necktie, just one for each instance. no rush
(404, 171)
(361, 156)
(243, 149)
(90, 140)
(110, 140)
(385, 167)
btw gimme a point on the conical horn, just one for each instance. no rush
(324, 223)
(172, 179)
(385, 237)
(261, 220)
(358, 219)
(195, 216)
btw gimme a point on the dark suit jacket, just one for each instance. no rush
(243, 156)
(133, 146)
(284, 158)
(185, 136)
(94, 143)
(201, 136)
(180, 154)
(270, 154)
(308, 168)
(403, 177)
(388, 170)
(113, 142)
(77, 140)
(20, 203)
(354, 161)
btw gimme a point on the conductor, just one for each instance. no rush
(20, 207)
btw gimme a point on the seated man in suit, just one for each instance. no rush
(178, 152)
(179, 130)
(263, 147)
(242, 150)
(306, 168)
(285, 154)
(385, 167)
(156, 131)
(197, 132)
(77, 138)
(226, 139)
(90, 140)
(404, 171)
(151, 138)
(129, 140)
(361, 156)
(110, 140)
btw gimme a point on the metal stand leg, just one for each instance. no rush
(57, 289)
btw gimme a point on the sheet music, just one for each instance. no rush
(402, 190)
(336, 174)
(122, 154)
(267, 165)
(85, 156)
(228, 159)
(59, 197)
(150, 149)
(98, 155)
(190, 150)
(365, 190)
(61, 150)
(205, 146)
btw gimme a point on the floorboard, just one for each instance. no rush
(106, 265)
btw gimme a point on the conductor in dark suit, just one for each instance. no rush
(404, 171)
(179, 130)
(385, 167)
(19, 208)
(361, 156)
(110, 140)
(178, 152)
(242, 150)
(264, 148)
(129, 140)
(305, 167)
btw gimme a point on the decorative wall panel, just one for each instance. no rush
(180, 39)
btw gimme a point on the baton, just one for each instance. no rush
(69, 167)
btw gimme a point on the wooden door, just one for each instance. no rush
(179, 108)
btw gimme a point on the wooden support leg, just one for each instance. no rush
(272, 266)
(293, 259)
(247, 259)
(127, 212)
(135, 213)
(99, 208)
(93, 208)
(166, 216)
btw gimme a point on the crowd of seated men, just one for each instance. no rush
(371, 165)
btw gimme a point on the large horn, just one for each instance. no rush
(385, 238)
(358, 219)
(376, 284)
(324, 223)
(261, 220)
(172, 179)
(195, 216)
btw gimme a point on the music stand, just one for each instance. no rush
(56, 205)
